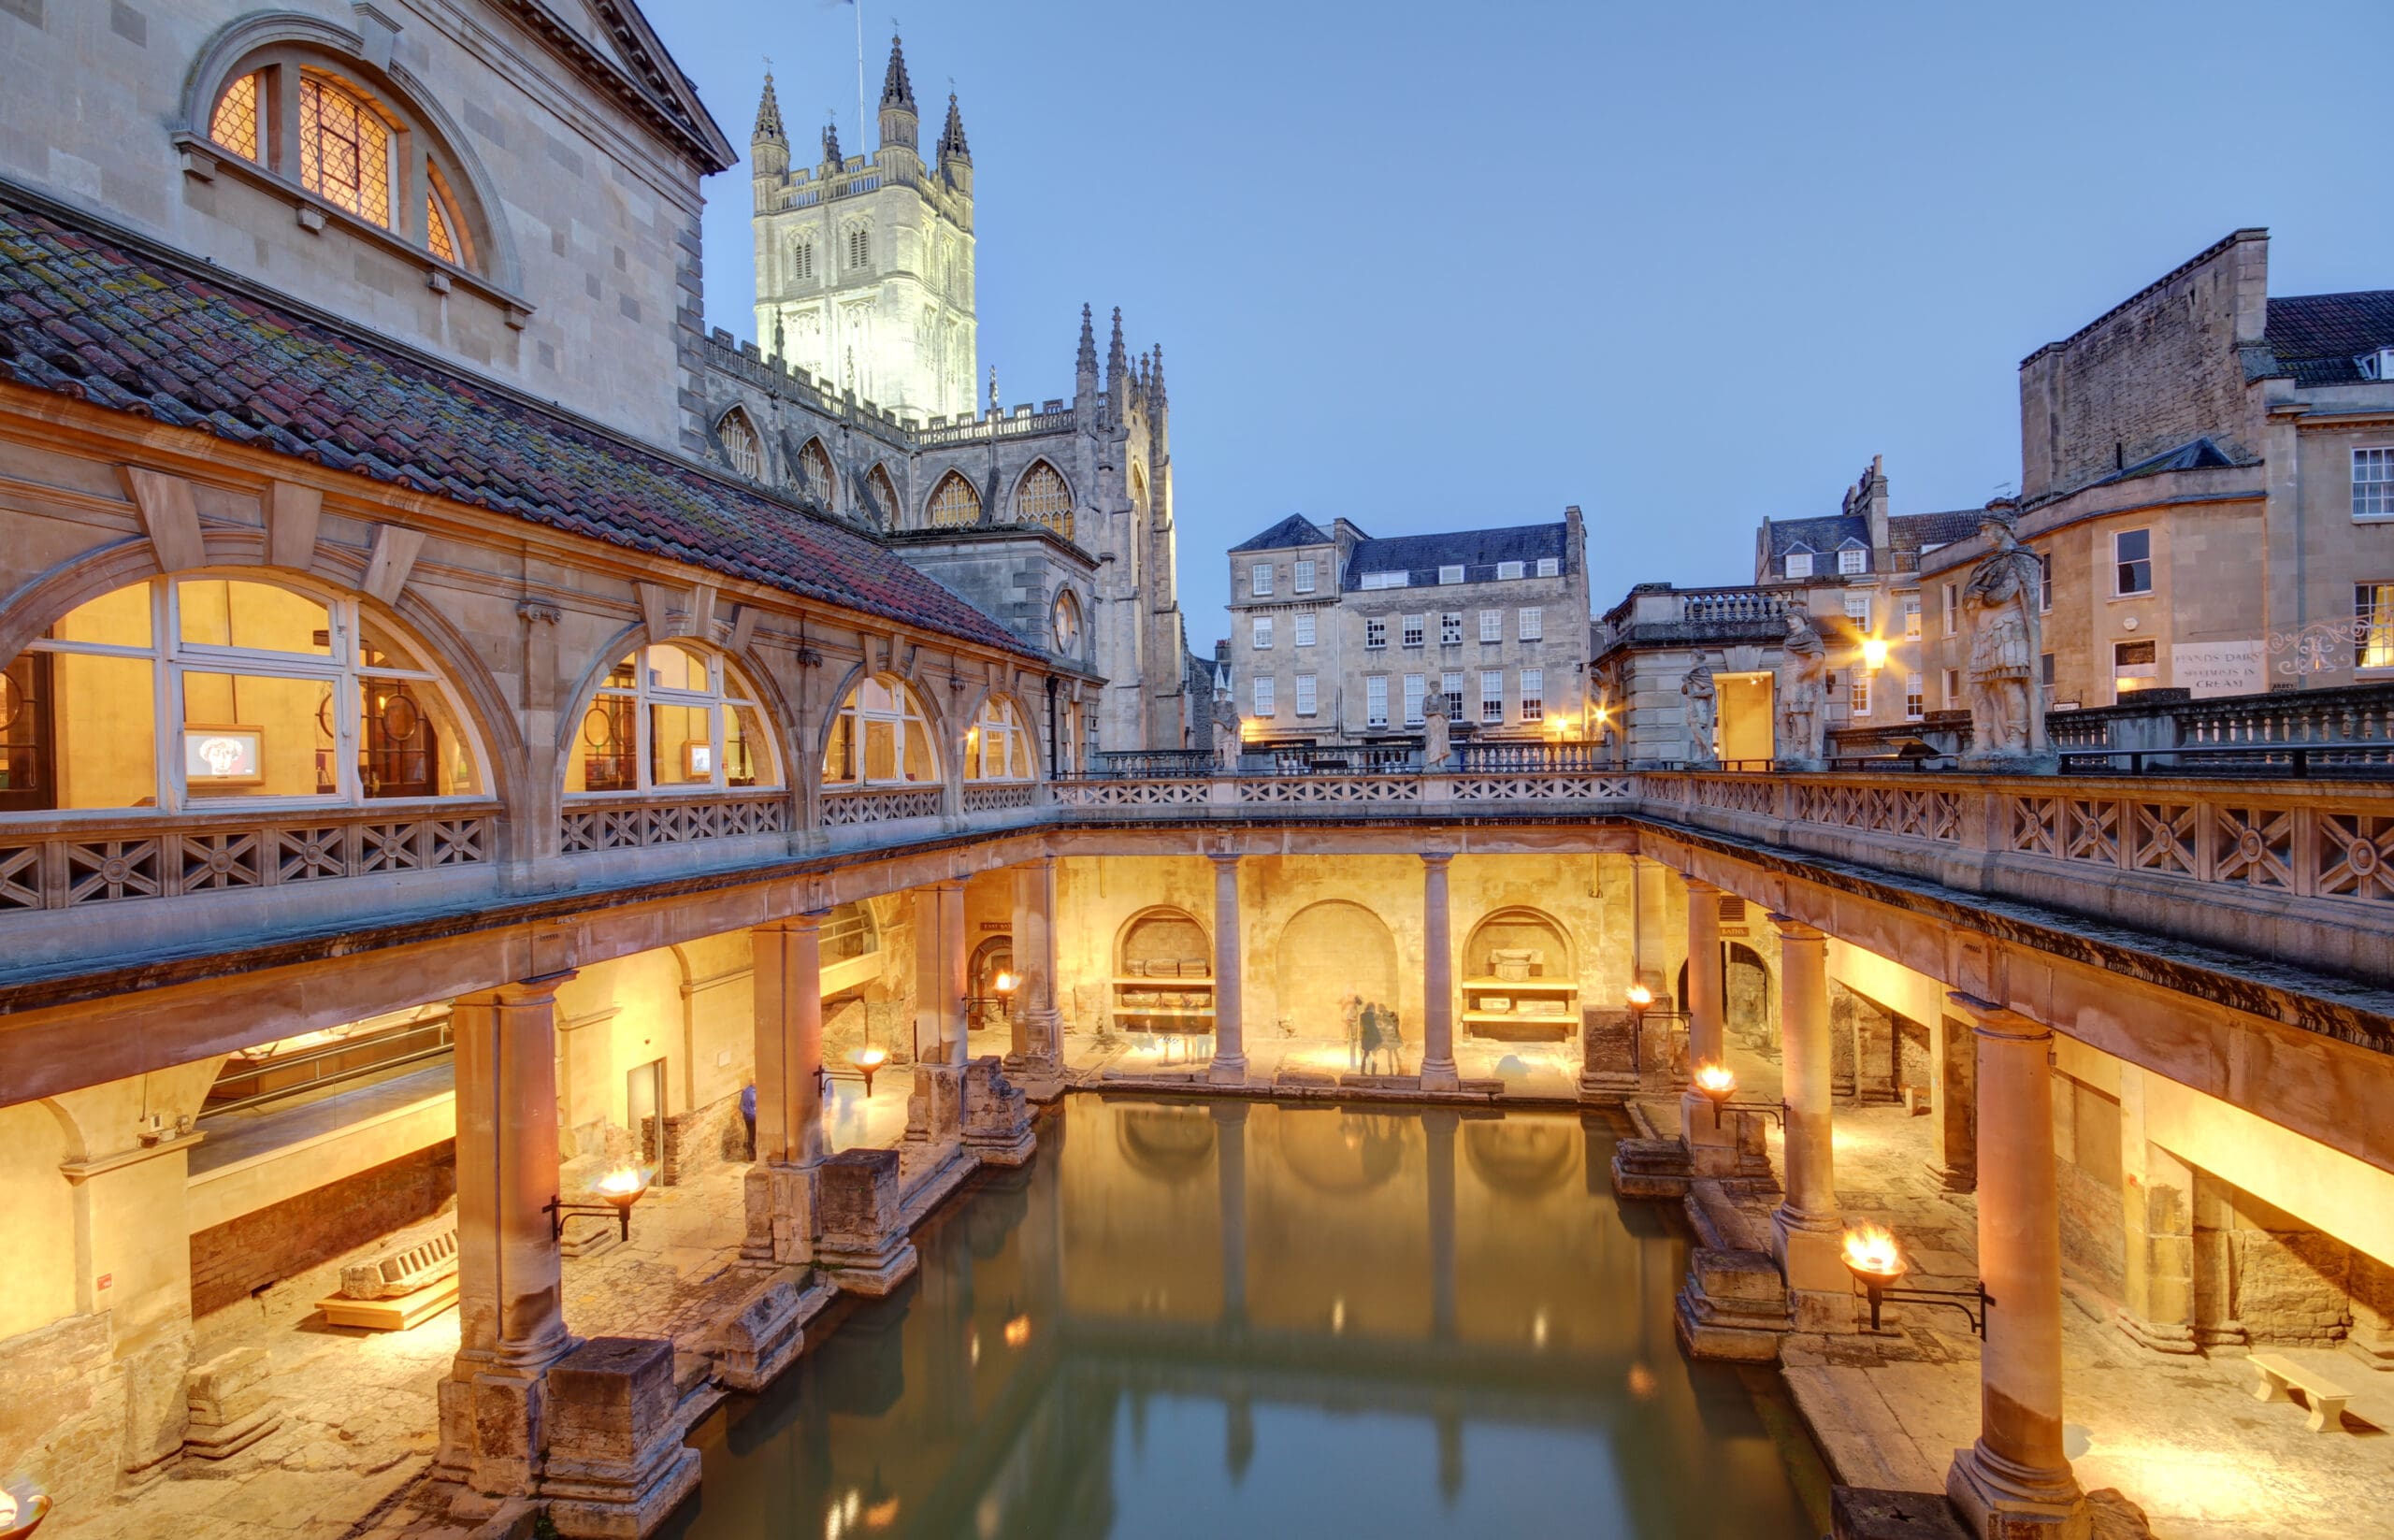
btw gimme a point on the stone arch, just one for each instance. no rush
(815, 476)
(1160, 933)
(881, 504)
(1519, 927)
(488, 717)
(1042, 496)
(780, 723)
(1742, 967)
(742, 446)
(954, 502)
(1327, 952)
(271, 37)
(935, 719)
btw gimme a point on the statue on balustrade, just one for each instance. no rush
(1224, 741)
(1802, 686)
(1999, 615)
(1437, 743)
(1703, 709)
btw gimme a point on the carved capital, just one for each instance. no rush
(534, 610)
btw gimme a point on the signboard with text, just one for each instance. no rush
(2219, 668)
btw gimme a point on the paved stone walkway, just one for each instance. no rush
(2179, 1437)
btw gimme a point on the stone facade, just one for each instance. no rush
(1340, 639)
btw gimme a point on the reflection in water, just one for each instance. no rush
(1346, 1331)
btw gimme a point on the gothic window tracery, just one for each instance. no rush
(741, 442)
(814, 471)
(881, 495)
(1042, 497)
(802, 259)
(955, 502)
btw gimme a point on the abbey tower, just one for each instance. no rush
(864, 266)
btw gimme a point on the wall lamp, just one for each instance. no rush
(1871, 1255)
(621, 1188)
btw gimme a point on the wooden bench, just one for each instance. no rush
(2326, 1396)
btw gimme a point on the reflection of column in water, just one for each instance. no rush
(1229, 1173)
(1450, 1450)
(1238, 1435)
(1439, 1124)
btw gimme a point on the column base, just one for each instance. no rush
(1731, 1307)
(1811, 1252)
(1952, 1178)
(1231, 1070)
(781, 1214)
(860, 1242)
(1651, 1168)
(616, 1465)
(1439, 1074)
(997, 1117)
(2161, 1336)
(762, 1337)
(1710, 1136)
(2001, 1501)
(1608, 1086)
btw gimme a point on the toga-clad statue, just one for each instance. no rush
(1703, 709)
(1225, 735)
(1999, 615)
(1437, 740)
(1803, 677)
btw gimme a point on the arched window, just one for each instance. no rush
(358, 148)
(673, 718)
(881, 493)
(859, 246)
(954, 501)
(998, 748)
(1042, 497)
(1064, 623)
(802, 259)
(814, 471)
(880, 739)
(250, 689)
(740, 442)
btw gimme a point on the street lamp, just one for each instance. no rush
(1874, 654)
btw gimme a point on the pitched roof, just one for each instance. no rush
(108, 320)
(1917, 531)
(1469, 549)
(1826, 533)
(2194, 454)
(2316, 337)
(1296, 529)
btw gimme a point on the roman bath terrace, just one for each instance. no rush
(608, 931)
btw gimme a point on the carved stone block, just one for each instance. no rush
(616, 1464)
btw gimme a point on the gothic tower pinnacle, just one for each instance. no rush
(768, 145)
(954, 155)
(900, 124)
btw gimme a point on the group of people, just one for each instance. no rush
(1372, 1035)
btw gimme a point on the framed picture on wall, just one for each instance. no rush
(698, 760)
(226, 756)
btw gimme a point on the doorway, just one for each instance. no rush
(644, 1111)
(1743, 727)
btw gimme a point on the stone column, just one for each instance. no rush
(789, 973)
(1034, 963)
(511, 1324)
(954, 967)
(1229, 1067)
(1439, 1124)
(2157, 1211)
(2016, 1482)
(1805, 1231)
(1438, 980)
(1954, 1105)
(1711, 1141)
(1230, 1175)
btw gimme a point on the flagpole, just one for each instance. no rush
(862, 149)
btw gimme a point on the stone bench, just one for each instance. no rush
(2326, 1396)
(399, 1290)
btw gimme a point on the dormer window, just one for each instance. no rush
(1852, 559)
(1799, 563)
(2376, 366)
(1451, 575)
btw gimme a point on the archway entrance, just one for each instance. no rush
(1338, 984)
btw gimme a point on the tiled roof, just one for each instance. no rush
(1822, 534)
(2316, 337)
(1476, 551)
(94, 317)
(1296, 529)
(1915, 531)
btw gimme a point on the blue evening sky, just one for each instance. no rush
(1429, 266)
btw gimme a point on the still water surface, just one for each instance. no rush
(1249, 1319)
